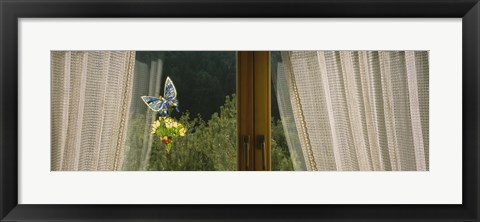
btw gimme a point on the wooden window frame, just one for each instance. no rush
(254, 111)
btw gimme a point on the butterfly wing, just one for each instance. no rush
(169, 91)
(163, 107)
(153, 103)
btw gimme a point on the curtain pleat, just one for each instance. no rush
(358, 110)
(147, 81)
(91, 94)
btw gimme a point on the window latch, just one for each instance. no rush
(261, 146)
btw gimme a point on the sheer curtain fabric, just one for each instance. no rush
(91, 94)
(147, 81)
(356, 110)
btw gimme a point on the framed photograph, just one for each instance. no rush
(275, 110)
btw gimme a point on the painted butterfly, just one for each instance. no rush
(163, 104)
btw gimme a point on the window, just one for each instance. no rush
(246, 110)
(205, 85)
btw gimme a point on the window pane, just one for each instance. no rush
(202, 135)
(350, 110)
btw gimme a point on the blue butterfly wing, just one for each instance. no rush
(153, 103)
(163, 108)
(163, 104)
(169, 91)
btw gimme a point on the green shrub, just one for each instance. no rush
(207, 146)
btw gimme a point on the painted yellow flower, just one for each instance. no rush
(169, 123)
(155, 125)
(167, 129)
(182, 131)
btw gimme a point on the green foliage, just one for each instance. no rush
(211, 145)
(135, 140)
(280, 154)
(207, 146)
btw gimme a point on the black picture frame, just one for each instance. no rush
(12, 10)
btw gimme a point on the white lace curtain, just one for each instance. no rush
(356, 110)
(91, 94)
